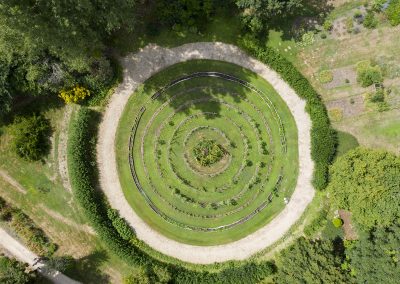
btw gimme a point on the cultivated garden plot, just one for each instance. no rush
(212, 153)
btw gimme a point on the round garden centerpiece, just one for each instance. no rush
(212, 152)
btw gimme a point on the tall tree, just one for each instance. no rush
(258, 14)
(308, 261)
(375, 257)
(48, 45)
(367, 182)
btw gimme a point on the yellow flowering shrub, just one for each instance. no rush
(74, 95)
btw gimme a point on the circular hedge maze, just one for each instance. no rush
(212, 153)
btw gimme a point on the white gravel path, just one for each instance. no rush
(141, 66)
(20, 252)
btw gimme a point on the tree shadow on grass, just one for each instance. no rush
(88, 269)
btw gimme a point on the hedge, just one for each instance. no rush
(323, 137)
(84, 177)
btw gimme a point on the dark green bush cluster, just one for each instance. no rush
(31, 137)
(81, 158)
(323, 137)
(120, 224)
(370, 21)
(393, 12)
(14, 272)
(26, 229)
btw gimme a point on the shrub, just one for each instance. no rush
(328, 25)
(370, 22)
(325, 76)
(378, 96)
(368, 75)
(335, 114)
(393, 12)
(307, 39)
(323, 137)
(30, 134)
(120, 224)
(337, 222)
(27, 230)
(14, 272)
(74, 95)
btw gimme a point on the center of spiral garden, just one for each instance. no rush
(208, 152)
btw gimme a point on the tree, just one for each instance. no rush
(53, 45)
(309, 261)
(375, 257)
(30, 136)
(13, 272)
(367, 182)
(257, 14)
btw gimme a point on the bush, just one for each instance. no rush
(328, 25)
(349, 25)
(27, 230)
(370, 22)
(30, 137)
(325, 76)
(13, 272)
(378, 96)
(323, 137)
(393, 12)
(368, 75)
(337, 222)
(74, 95)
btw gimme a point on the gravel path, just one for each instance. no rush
(23, 254)
(141, 66)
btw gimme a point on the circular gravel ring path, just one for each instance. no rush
(139, 67)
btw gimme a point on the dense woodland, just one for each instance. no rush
(69, 49)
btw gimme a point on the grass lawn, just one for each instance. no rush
(346, 143)
(207, 197)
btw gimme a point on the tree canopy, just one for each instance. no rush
(49, 45)
(367, 182)
(13, 272)
(258, 14)
(309, 261)
(375, 257)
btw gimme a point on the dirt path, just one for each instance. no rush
(62, 148)
(69, 222)
(15, 184)
(141, 66)
(23, 254)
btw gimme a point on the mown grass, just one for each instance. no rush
(137, 201)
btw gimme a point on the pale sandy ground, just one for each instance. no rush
(141, 66)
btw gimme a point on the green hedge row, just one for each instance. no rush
(323, 137)
(26, 229)
(84, 177)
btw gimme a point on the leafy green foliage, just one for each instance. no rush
(208, 152)
(309, 261)
(26, 229)
(368, 75)
(325, 76)
(370, 21)
(367, 182)
(181, 14)
(257, 15)
(393, 12)
(30, 137)
(81, 156)
(13, 272)
(46, 46)
(120, 224)
(375, 257)
(337, 222)
(323, 137)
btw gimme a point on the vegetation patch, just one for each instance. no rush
(212, 150)
(84, 182)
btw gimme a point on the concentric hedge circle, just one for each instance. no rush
(243, 121)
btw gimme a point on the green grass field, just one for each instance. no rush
(192, 198)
